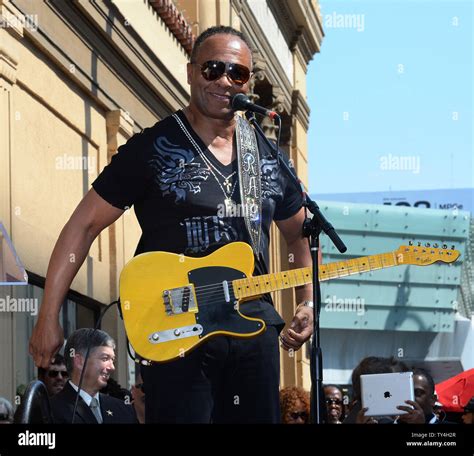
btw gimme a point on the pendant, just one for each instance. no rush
(228, 185)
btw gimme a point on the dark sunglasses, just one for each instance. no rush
(333, 401)
(214, 69)
(296, 415)
(55, 373)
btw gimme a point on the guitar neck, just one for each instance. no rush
(254, 286)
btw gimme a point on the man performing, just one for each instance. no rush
(182, 175)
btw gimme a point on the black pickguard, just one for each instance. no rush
(214, 313)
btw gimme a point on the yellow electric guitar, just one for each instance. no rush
(172, 303)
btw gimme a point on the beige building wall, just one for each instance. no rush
(77, 80)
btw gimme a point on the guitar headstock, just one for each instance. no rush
(423, 255)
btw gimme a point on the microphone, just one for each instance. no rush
(241, 102)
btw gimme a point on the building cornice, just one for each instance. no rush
(175, 21)
(121, 63)
(300, 24)
(300, 108)
(272, 70)
(11, 29)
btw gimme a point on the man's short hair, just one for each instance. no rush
(375, 365)
(80, 339)
(58, 361)
(424, 373)
(217, 30)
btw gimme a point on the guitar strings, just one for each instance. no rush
(207, 291)
(216, 286)
(349, 268)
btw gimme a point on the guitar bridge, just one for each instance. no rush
(180, 300)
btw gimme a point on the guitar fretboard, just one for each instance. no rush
(254, 286)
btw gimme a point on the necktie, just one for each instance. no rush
(96, 410)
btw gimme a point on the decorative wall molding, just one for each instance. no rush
(300, 23)
(11, 30)
(111, 61)
(118, 122)
(259, 69)
(272, 34)
(11, 19)
(175, 21)
(8, 64)
(270, 71)
(300, 108)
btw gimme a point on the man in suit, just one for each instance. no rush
(93, 407)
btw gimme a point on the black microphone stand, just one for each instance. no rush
(311, 229)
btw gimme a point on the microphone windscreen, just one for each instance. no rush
(240, 102)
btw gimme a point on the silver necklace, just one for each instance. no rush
(229, 203)
(212, 167)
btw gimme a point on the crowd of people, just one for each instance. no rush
(342, 408)
(103, 400)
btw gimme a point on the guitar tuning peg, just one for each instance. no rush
(453, 247)
(435, 245)
(419, 244)
(427, 244)
(445, 246)
(410, 242)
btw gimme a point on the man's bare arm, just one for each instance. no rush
(301, 327)
(91, 216)
(298, 250)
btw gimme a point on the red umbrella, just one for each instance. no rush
(456, 392)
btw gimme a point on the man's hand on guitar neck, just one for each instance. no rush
(300, 329)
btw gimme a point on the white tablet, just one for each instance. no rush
(382, 393)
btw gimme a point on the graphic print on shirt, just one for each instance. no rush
(270, 172)
(175, 170)
(203, 232)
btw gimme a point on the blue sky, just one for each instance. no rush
(402, 73)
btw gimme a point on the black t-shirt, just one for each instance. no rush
(179, 196)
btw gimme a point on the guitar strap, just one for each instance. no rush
(248, 162)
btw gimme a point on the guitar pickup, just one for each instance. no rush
(180, 300)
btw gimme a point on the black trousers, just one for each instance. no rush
(226, 380)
